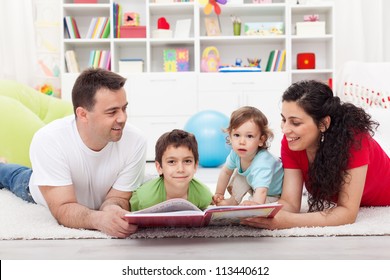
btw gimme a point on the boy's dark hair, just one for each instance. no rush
(247, 113)
(89, 82)
(176, 138)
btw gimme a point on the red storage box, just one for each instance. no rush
(85, 1)
(132, 32)
(306, 61)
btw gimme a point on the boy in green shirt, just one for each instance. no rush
(177, 160)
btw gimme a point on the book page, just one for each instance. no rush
(234, 217)
(171, 205)
(228, 215)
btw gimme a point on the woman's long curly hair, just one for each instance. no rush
(328, 171)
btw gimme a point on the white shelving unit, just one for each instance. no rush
(160, 101)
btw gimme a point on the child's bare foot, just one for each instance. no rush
(3, 160)
(228, 202)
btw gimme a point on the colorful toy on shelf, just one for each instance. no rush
(210, 60)
(176, 60)
(131, 19)
(210, 4)
(162, 23)
(254, 62)
(163, 29)
(306, 61)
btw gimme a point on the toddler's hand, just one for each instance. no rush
(217, 198)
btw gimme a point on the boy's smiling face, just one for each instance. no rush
(178, 167)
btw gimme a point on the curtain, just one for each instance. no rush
(17, 44)
(361, 33)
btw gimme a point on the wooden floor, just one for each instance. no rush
(265, 248)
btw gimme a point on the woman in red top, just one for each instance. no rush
(328, 148)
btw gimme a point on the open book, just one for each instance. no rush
(182, 213)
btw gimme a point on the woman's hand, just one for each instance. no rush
(280, 221)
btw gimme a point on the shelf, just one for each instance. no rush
(230, 47)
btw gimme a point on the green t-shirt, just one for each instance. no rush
(153, 192)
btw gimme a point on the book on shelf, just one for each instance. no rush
(71, 27)
(281, 61)
(117, 12)
(71, 62)
(75, 28)
(100, 58)
(91, 27)
(106, 30)
(275, 60)
(179, 212)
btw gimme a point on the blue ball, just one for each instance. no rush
(207, 126)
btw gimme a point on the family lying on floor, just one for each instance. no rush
(88, 168)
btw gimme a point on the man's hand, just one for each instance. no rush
(110, 221)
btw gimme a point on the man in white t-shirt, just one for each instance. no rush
(85, 166)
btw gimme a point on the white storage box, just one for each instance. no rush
(162, 33)
(131, 65)
(310, 28)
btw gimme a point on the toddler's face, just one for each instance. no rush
(246, 139)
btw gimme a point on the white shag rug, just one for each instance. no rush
(22, 220)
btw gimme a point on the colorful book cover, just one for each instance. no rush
(106, 31)
(91, 27)
(75, 28)
(280, 67)
(179, 212)
(270, 59)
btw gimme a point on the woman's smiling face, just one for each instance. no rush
(301, 131)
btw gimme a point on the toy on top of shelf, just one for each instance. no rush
(176, 60)
(163, 29)
(255, 62)
(210, 59)
(306, 61)
(254, 66)
(131, 19)
(130, 27)
(210, 4)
